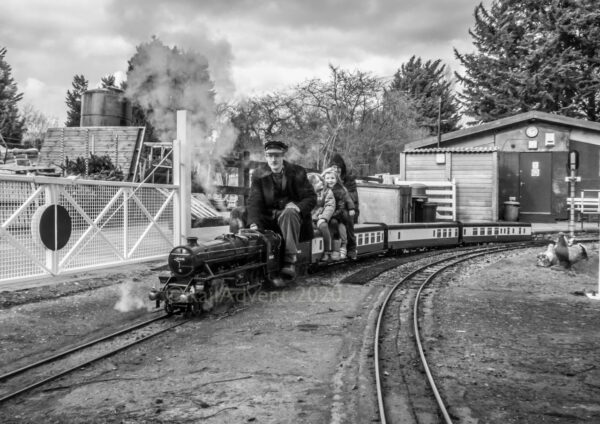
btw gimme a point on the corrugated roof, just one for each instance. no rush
(454, 150)
(531, 116)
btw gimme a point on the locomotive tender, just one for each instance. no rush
(201, 274)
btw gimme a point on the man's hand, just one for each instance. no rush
(291, 205)
(253, 227)
(321, 221)
(352, 212)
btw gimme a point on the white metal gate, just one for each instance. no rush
(110, 223)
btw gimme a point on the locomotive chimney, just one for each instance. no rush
(192, 241)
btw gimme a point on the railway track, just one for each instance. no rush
(404, 381)
(44, 371)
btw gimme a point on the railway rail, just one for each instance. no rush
(397, 328)
(44, 371)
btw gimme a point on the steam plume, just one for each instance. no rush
(129, 301)
(163, 80)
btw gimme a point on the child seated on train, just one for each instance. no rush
(322, 212)
(344, 210)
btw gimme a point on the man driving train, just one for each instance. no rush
(281, 199)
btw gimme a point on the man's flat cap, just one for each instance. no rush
(275, 144)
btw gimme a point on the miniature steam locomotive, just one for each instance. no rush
(201, 274)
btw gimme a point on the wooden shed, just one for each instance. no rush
(473, 169)
(529, 163)
(121, 144)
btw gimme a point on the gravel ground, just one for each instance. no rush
(283, 356)
(513, 343)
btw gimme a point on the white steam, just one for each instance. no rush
(129, 301)
(165, 80)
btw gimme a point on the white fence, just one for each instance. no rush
(442, 193)
(102, 223)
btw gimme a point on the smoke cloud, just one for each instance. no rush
(129, 300)
(166, 79)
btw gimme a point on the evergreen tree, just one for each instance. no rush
(73, 100)
(11, 123)
(533, 55)
(108, 81)
(426, 84)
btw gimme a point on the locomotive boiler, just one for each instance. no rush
(202, 274)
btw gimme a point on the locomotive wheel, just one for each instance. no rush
(255, 278)
(169, 309)
(216, 292)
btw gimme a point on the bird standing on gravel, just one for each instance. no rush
(568, 255)
(547, 258)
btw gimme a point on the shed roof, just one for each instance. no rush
(529, 117)
(487, 149)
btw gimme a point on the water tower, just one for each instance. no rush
(105, 107)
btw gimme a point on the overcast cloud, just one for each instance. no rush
(253, 46)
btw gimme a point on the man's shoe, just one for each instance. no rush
(289, 271)
(335, 255)
(326, 257)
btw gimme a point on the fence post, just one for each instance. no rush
(454, 218)
(244, 176)
(182, 178)
(51, 195)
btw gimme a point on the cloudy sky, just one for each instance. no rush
(253, 46)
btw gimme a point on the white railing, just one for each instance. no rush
(442, 193)
(94, 224)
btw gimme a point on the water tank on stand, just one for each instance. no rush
(105, 107)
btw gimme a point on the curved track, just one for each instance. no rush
(416, 404)
(51, 368)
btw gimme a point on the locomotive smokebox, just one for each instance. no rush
(105, 107)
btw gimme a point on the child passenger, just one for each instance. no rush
(322, 212)
(344, 210)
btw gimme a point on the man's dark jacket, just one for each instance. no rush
(297, 189)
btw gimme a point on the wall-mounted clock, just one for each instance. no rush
(531, 131)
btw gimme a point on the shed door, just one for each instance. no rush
(536, 182)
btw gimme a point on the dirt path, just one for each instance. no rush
(514, 343)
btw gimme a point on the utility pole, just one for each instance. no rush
(439, 122)
(572, 179)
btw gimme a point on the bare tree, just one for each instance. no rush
(344, 101)
(36, 125)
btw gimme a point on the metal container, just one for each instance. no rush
(419, 198)
(429, 212)
(418, 190)
(104, 107)
(383, 203)
(511, 211)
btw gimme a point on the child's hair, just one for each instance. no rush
(314, 178)
(332, 170)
